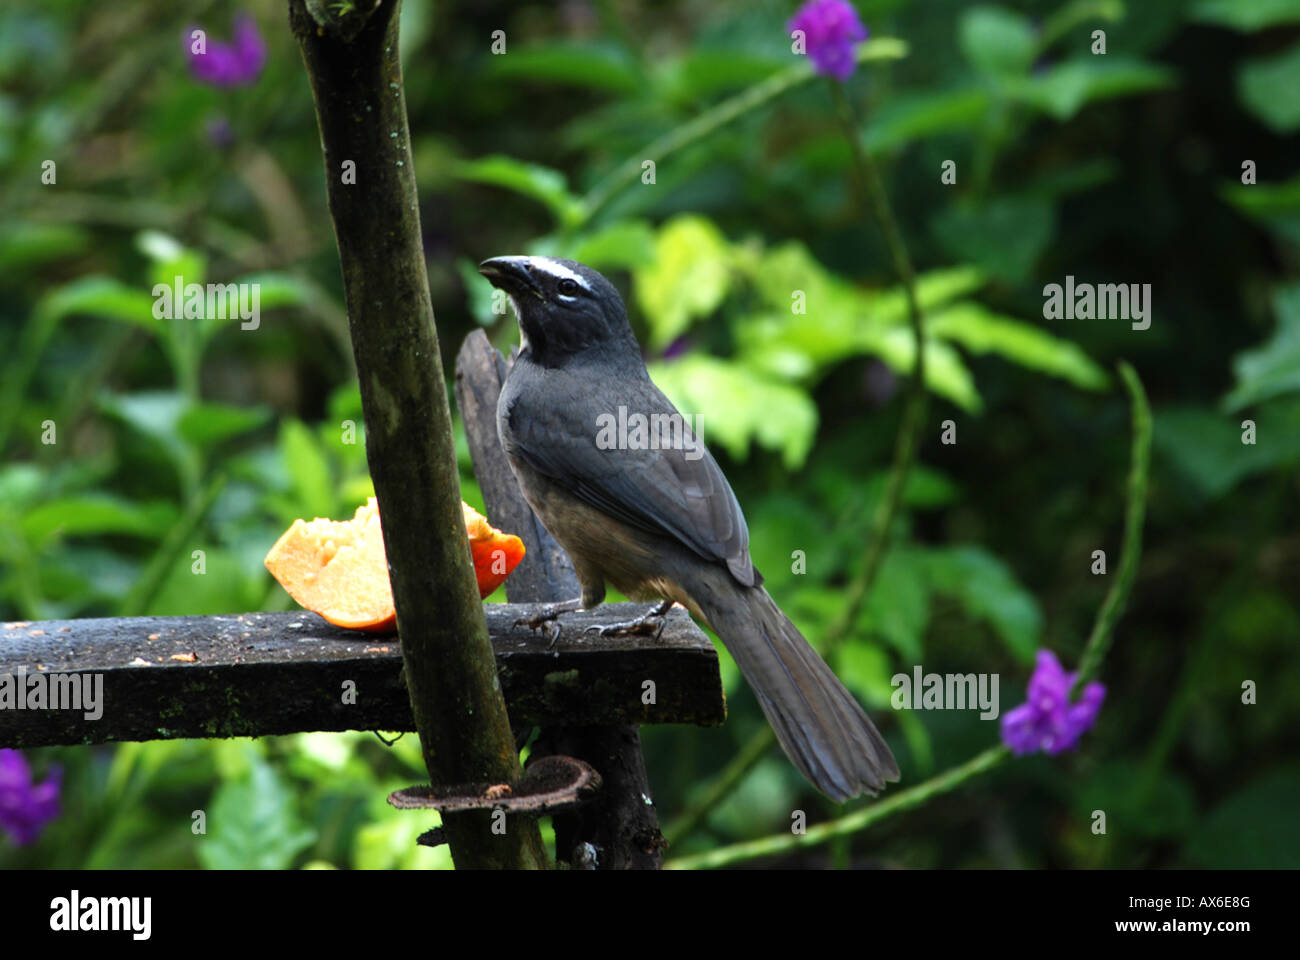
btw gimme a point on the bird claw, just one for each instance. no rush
(546, 621)
(547, 624)
(650, 625)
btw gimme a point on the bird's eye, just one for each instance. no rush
(568, 287)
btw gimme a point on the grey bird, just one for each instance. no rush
(657, 521)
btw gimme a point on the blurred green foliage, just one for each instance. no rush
(175, 436)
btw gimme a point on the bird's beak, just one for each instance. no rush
(514, 275)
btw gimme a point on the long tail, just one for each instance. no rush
(819, 724)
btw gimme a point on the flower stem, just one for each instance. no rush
(1103, 630)
(846, 825)
(706, 123)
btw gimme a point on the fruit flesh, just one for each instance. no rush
(338, 568)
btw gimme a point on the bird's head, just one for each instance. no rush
(564, 308)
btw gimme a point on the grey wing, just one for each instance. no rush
(678, 492)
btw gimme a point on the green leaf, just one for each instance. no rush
(997, 41)
(169, 259)
(1206, 448)
(1061, 181)
(24, 246)
(103, 297)
(84, 574)
(1262, 200)
(980, 330)
(1247, 16)
(20, 484)
(305, 462)
(95, 514)
(781, 523)
(208, 424)
(988, 590)
(945, 373)
(1004, 235)
(909, 117)
(738, 406)
(779, 272)
(1255, 828)
(542, 184)
(259, 291)
(275, 289)
(1064, 89)
(601, 67)
(1165, 807)
(927, 488)
(687, 277)
(227, 583)
(1274, 205)
(252, 824)
(864, 668)
(898, 606)
(345, 403)
(479, 292)
(158, 246)
(387, 842)
(1267, 88)
(708, 72)
(1274, 367)
(155, 413)
(934, 288)
(839, 319)
(625, 243)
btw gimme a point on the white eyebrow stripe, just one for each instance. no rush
(558, 270)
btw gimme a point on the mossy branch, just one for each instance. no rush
(355, 71)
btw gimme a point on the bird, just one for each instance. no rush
(657, 520)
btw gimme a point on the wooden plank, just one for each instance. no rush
(273, 673)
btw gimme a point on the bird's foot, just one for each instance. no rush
(649, 624)
(546, 619)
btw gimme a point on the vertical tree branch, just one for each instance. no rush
(356, 78)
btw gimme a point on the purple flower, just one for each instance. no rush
(830, 29)
(229, 64)
(1049, 722)
(25, 807)
(676, 349)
